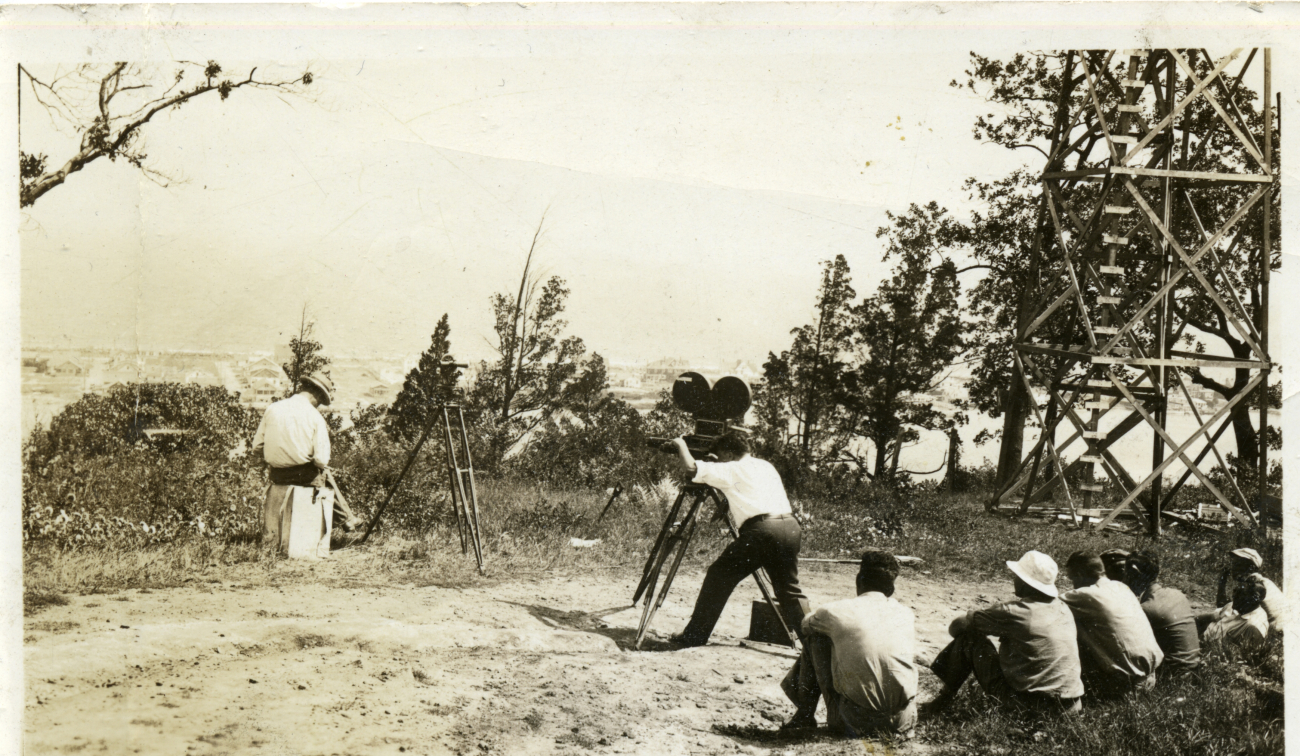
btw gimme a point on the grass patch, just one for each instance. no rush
(59, 626)
(1220, 709)
(108, 569)
(957, 538)
(36, 600)
(310, 640)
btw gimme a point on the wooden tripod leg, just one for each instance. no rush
(764, 587)
(681, 540)
(760, 577)
(654, 550)
(457, 491)
(471, 511)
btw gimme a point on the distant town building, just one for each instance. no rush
(69, 367)
(665, 370)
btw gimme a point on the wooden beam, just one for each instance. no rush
(1227, 178)
(1169, 285)
(1182, 104)
(1195, 271)
(1178, 453)
(1249, 144)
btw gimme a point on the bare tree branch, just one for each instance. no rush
(104, 138)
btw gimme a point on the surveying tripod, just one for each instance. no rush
(677, 536)
(464, 494)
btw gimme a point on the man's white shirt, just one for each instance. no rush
(293, 432)
(752, 486)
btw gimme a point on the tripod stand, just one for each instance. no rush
(464, 495)
(677, 536)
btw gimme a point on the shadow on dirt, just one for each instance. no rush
(593, 622)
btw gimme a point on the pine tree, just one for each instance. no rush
(803, 379)
(429, 385)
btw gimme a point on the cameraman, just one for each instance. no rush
(769, 535)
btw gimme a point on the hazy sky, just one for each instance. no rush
(698, 163)
(694, 178)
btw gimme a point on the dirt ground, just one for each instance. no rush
(322, 666)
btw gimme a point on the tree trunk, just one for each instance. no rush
(1013, 434)
(954, 460)
(882, 455)
(1247, 438)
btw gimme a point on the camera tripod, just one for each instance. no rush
(676, 536)
(464, 494)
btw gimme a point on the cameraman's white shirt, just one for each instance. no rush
(752, 486)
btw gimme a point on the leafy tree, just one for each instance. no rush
(802, 380)
(905, 335)
(109, 105)
(207, 419)
(306, 358)
(428, 386)
(599, 440)
(535, 366)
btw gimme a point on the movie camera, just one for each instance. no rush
(716, 410)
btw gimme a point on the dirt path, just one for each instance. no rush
(526, 667)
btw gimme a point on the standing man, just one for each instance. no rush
(1117, 647)
(858, 654)
(768, 535)
(1168, 611)
(294, 441)
(1036, 663)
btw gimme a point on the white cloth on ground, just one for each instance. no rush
(293, 432)
(752, 487)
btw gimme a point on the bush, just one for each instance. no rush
(96, 476)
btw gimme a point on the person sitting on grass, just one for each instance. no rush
(1117, 647)
(1168, 611)
(1243, 564)
(1115, 561)
(1036, 664)
(1243, 622)
(858, 655)
(769, 535)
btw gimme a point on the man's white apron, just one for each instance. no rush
(299, 520)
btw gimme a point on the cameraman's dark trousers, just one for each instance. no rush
(767, 541)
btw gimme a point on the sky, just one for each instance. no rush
(691, 179)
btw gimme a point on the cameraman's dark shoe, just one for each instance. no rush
(680, 641)
(800, 723)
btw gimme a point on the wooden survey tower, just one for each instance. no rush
(1143, 142)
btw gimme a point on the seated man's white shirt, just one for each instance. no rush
(293, 432)
(752, 486)
(1113, 629)
(1229, 626)
(1273, 604)
(873, 653)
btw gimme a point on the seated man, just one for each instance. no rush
(1168, 611)
(1117, 648)
(1115, 561)
(1242, 565)
(858, 654)
(1036, 664)
(1243, 622)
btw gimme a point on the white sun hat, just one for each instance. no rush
(1038, 570)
